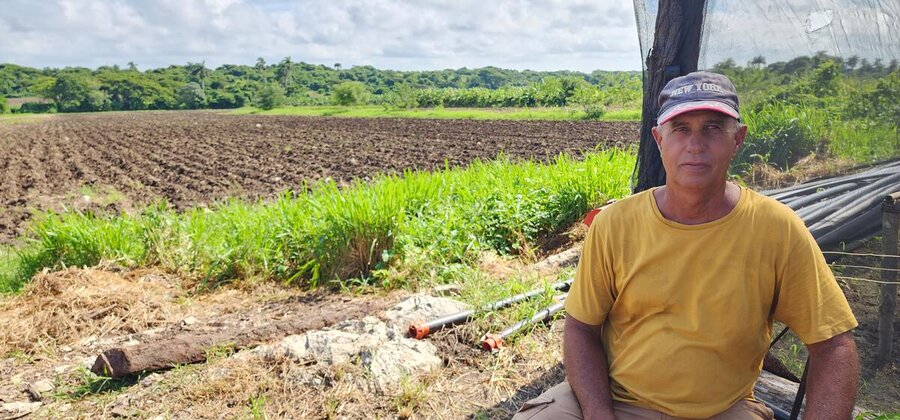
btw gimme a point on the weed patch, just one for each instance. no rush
(435, 221)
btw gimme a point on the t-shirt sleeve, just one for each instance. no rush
(808, 298)
(591, 296)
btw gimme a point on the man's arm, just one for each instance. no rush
(833, 378)
(587, 369)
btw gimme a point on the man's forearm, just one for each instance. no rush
(833, 378)
(587, 369)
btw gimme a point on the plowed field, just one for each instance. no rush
(118, 161)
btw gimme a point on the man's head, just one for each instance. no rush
(698, 130)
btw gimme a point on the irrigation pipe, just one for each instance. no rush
(492, 342)
(865, 267)
(420, 330)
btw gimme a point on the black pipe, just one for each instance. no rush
(821, 195)
(812, 217)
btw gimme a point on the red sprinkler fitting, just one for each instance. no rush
(491, 342)
(418, 331)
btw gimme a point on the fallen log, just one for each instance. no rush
(187, 348)
(780, 392)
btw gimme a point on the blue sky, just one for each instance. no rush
(391, 34)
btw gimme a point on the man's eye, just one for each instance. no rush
(680, 129)
(713, 127)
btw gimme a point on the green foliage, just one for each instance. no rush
(230, 86)
(191, 96)
(434, 221)
(780, 134)
(820, 104)
(36, 108)
(4, 105)
(594, 112)
(350, 93)
(271, 96)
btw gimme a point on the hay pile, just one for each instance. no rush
(63, 308)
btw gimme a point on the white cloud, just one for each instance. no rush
(402, 34)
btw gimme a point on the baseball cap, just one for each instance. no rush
(697, 91)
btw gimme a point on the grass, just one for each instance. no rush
(444, 113)
(414, 223)
(22, 118)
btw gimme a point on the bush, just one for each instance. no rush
(4, 105)
(350, 93)
(271, 96)
(781, 134)
(37, 108)
(594, 112)
(191, 96)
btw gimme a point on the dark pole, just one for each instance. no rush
(675, 52)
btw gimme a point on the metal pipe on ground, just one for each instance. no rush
(494, 341)
(420, 330)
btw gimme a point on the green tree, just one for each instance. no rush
(4, 106)
(191, 96)
(283, 72)
(67, 91)
(198, 73)
(350, 93)
(271, 96)
(826, 79)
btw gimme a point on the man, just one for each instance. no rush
(671, 311)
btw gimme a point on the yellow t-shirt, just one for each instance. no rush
(687, 310)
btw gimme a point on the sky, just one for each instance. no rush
(581, 35)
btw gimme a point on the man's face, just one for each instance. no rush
(697, 147)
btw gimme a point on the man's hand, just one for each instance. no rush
(833, 378)
(587, 369)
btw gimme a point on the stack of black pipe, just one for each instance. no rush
(842, 210)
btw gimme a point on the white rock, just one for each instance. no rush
(396, 359)
(19, 409)
(295, 347)
(151, 380)
(39, 389)
(332, 347)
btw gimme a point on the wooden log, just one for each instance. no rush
(780, 392)
(890, 224)
(191, 348)
(558, 261)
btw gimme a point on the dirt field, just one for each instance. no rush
(118, 161)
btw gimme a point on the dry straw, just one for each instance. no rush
(64, 307)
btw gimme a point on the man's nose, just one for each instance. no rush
(696, 142)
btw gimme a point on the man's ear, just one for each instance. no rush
(739, 136)
(657, 137)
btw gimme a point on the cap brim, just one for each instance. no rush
(697, 106)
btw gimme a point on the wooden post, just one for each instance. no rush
(675, 52)
(890, 224)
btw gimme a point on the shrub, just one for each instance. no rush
(37, 108)
(271, 96)
(781, 134)
(350, 93)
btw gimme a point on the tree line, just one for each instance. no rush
(194, 85)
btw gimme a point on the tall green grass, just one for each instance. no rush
(781, 133)
(416, 221)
